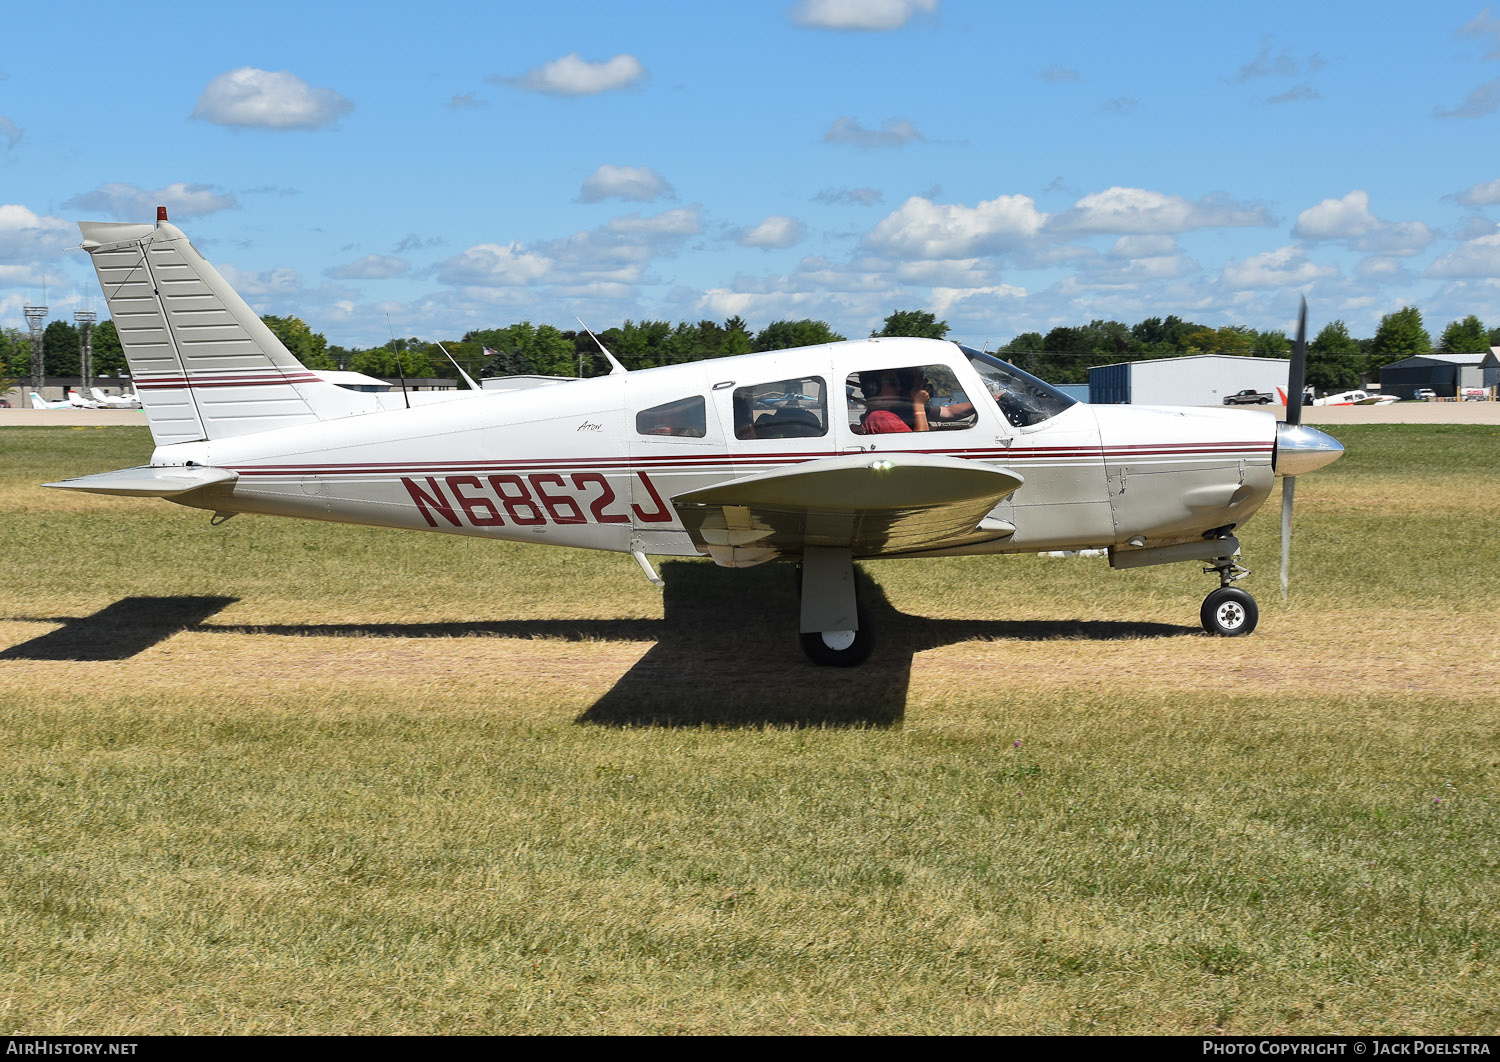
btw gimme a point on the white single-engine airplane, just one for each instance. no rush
(822, 455)
(1342, 398)
(121, 401)
(38, 402)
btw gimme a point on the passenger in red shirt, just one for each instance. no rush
(892, 395)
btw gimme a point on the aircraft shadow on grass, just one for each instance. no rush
(119, 631)
(722, 655)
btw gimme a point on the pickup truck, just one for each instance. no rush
(1249, 397)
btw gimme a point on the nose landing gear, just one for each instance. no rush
(1228, 612)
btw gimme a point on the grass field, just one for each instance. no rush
(292, 777)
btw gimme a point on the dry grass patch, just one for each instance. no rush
(341, 780)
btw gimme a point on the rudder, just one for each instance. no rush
(203, 363)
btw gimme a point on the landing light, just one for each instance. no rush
(882, 466)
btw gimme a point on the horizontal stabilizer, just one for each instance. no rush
(872, 504)
(162, 481)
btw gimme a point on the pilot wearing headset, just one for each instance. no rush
(895, 400)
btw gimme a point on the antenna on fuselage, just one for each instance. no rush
(400, 372)
(467, 378)
(616, 366)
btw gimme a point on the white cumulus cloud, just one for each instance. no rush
(371, 267)
(893, 133)
(1301, 91)
(1142, 211)
(1484, 25)
(848, 196)
(282, 281)
(859, 14)
(262, 99)
(967, 273)
(1477, 258)
(637, 184)
(1149, 246)
(129, 203)
(604, 262)
(683, 221)
(920, 228)
(618, 250)
(26, 236)
(1481, 100)
(1381, 270)
(1337, 219)
(494, 265)
(1475, 225)
(1283, 267)
(774, 232)
(1349, 219)
(1281, 64)
(1486, 193)
(572, 75)
(947, 301)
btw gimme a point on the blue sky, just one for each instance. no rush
(1010, 167)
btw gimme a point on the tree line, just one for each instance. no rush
(1337, 360)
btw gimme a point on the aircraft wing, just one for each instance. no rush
(872, 504)
(160, 481)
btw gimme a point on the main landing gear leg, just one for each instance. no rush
(835, 628)
(1229, 611)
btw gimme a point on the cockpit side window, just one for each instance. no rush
(1023, 399)
(782, 409)
(910, 398)
(685, 418)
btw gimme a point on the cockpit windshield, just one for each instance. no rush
(1023, 398)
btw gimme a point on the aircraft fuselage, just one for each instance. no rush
(574, 464)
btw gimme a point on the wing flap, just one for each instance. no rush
(874, 505)
(148, 481)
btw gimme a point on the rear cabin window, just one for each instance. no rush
(910, 398)
(686, 418)
(782, 409)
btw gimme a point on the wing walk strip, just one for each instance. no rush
(710, 461)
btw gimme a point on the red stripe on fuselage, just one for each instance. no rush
(689, 462)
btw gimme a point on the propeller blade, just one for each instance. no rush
(1295, 382)
(1297, 373)
(1288, 488)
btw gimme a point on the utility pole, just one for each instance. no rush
(85, 320)
(36, 320)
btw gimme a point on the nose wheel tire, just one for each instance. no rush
(841, 648)
(1229, 612)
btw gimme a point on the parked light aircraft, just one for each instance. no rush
(123, 401)
(77, 401)
(38, 402)
(822, 455)
(1342, 398)
(1354, 398)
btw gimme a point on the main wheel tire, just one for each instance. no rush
(841, 648)
(1229, 612)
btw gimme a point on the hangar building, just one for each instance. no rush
(1194, 380)
(1443, 374)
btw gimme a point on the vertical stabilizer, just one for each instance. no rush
(203, 363)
